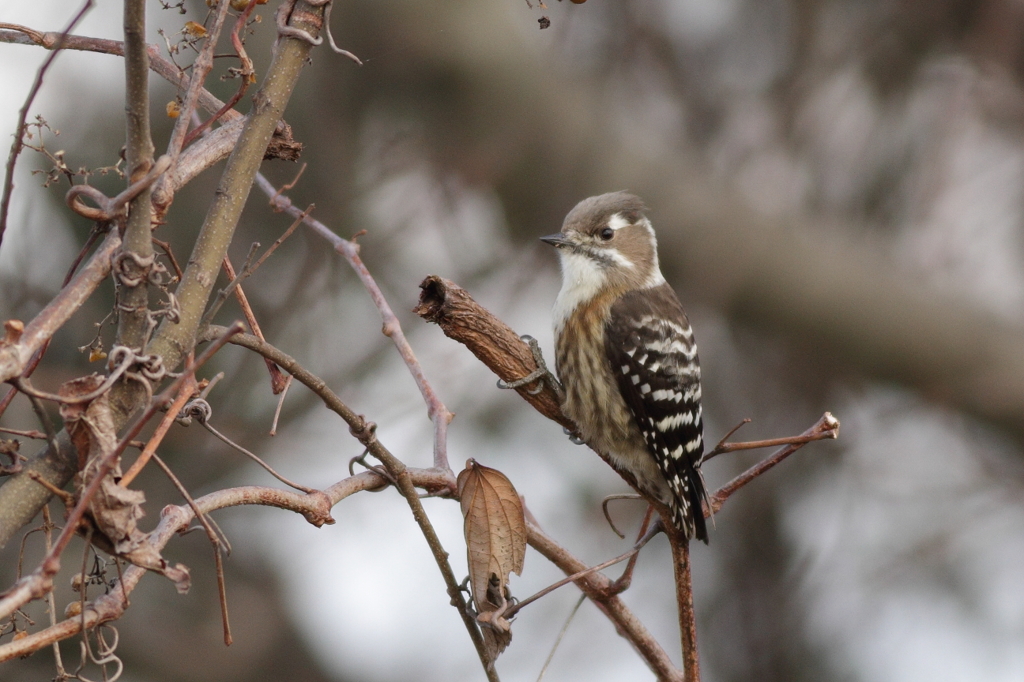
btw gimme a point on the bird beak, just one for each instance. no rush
(556, 240)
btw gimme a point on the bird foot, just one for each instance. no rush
(540, 375)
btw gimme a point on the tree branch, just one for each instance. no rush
(682, 570)
(136, 258)
(825, 428)
(364, 432)
(493, 342)
(14, 357)
(436, 409)
(41, 580)
(59, 41)
(196, 157)
(174, 341)
(598, 589)
(163, 193)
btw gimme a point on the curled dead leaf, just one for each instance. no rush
(90, 425)
(495, 531)
(114, 511)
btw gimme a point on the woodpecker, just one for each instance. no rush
(626, 356)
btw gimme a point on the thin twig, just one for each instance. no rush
(215, 541)
(330, 37)
(625, 580)
(25, 434)
(246, 75)
(51, 600)
(825, 428)
(802, 439)
(248, 269)
(63, 495)
(436, 409)
(708, 455)
(608, 516)
(166, 248)
(280, 402)
(200, 70)
(515, 608)
(255, 458)
(278, 382)
(41, 415)
(187, 390)
(561, 634)
(19, 130)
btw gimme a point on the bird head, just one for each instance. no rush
(607, 242)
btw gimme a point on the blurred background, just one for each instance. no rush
(837, 188)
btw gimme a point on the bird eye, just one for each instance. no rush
(607, 233)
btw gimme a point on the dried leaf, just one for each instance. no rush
(194, 30)
(90, 425)
(496, 545)
(114, 511)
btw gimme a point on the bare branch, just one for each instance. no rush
(22, 35)
(825, 428)
(19, 503)
(195, 158)
(200, 69)
(684, 601)
(174, 340)
(215, 541)
(247, 270)
(19, 131)
(133, 289)
(804, 438)
(315, 508)
(599, 589)
(493, 342)
(41, 580)
(364, 432)
(278, 382)
(14, 357)
(437, 411)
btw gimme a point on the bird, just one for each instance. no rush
(626, 357)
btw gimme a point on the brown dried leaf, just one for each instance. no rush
(114, 511)
(495, 532)
(194, 30)
(87, 423)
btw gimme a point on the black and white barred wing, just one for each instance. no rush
(654, 358)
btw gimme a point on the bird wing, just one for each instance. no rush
(654, 359)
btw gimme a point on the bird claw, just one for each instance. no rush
(573, 436)
(539, 375)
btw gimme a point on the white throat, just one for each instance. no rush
(582, 279)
